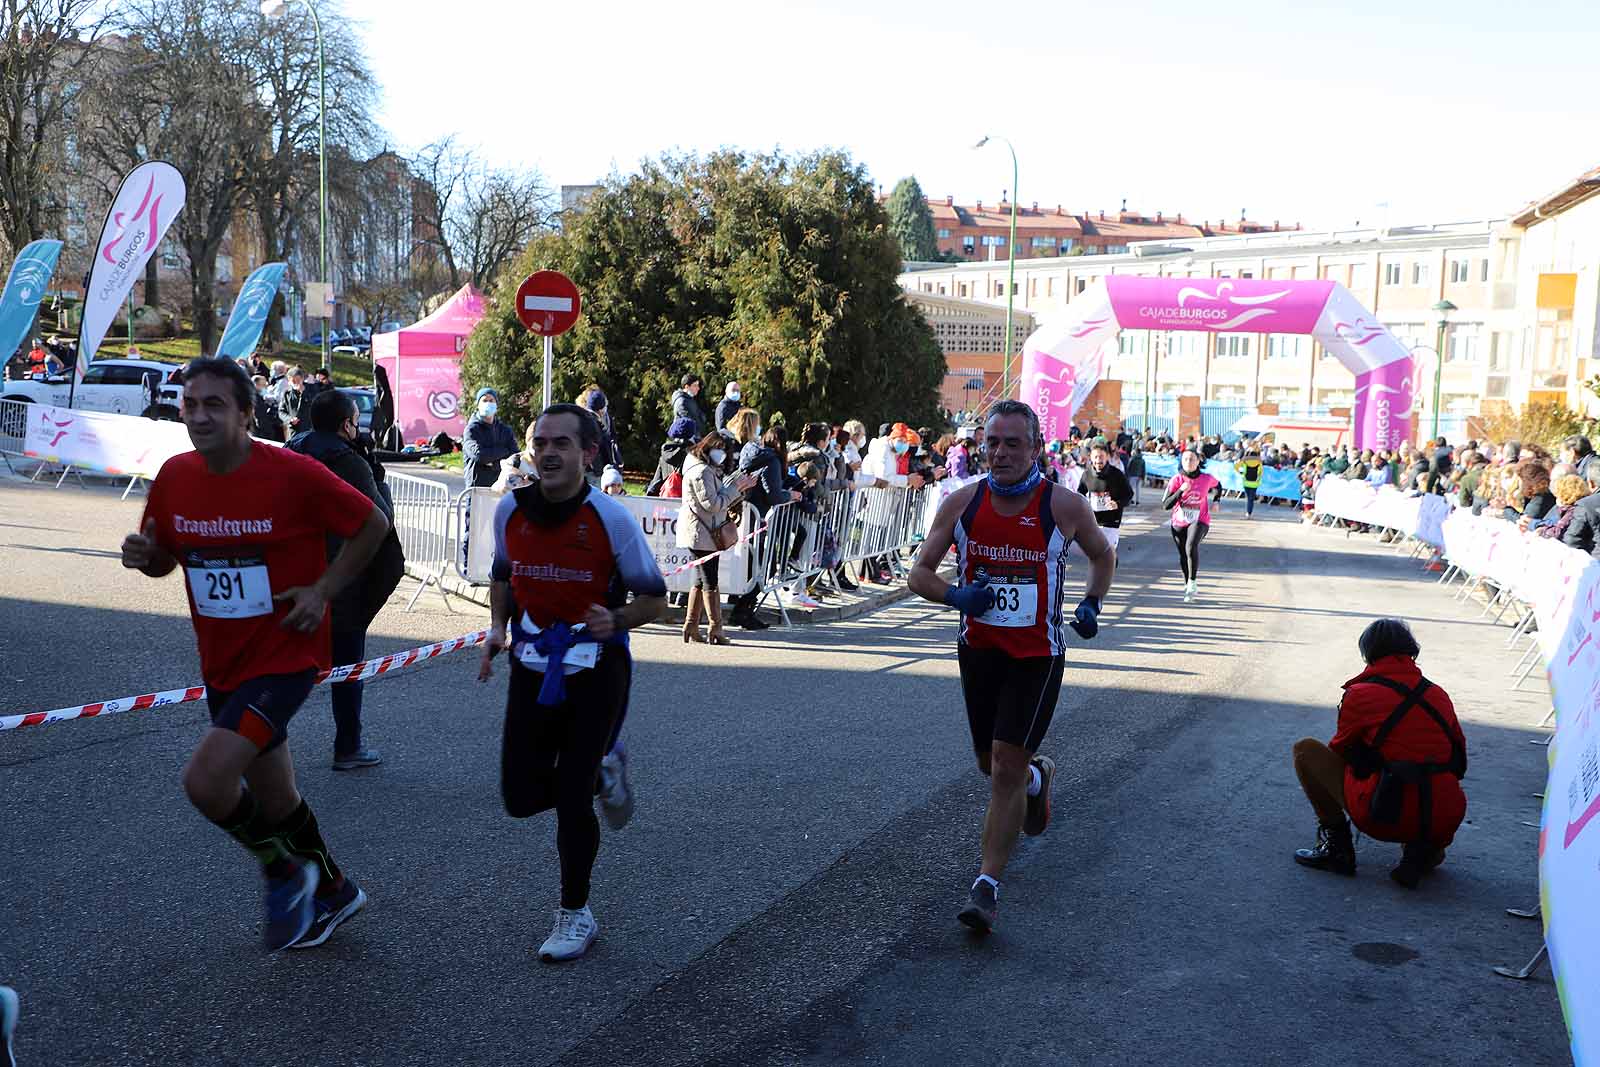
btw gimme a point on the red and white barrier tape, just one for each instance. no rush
(354, 672)
(709, 556)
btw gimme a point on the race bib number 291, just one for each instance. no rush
(234, 586)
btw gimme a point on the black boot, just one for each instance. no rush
(1335, 850)
(842, 576)
(1416, 860)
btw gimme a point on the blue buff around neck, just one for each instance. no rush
(1027, 484)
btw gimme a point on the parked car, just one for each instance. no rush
(114, 385)
(348, 350)
(366, 402)
(392, 326)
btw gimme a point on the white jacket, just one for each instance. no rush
(880, 463)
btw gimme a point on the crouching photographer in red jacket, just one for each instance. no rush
(1395, 763)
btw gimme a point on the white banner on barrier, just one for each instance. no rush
(1418, 515)
(95, 440)
(658, 519)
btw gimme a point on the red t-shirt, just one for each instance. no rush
(242, 537)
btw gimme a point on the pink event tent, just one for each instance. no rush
(423, 362)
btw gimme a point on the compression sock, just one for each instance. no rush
(246, 826)
(301, 836)
(1035, 781)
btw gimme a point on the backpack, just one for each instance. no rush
(673, 486)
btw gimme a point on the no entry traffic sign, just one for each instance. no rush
(548, 303)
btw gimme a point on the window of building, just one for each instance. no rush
(1500, 350)
(1227, 393)
(1286, 345)
(1067, 245)
(1391, 274)
(1185, 344)
(1360, 276)
(1462, 345)
(1247, 274)
(1233, 345)
(1335, 398)
(943, 234)
(1498, 387)
(1049, 287)
(1043, 242)
(1460, 269)
(967, 245)
(963, 288)
(1483, 270)
(1082, 284)
(1419, 273)
(1112, 250)
(994, 240)
(1133, 343)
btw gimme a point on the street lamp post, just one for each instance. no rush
(1011, 262)
(1443, 307)
(277, 9)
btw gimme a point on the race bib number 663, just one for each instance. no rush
(228, 586)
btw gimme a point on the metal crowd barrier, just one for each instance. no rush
(423, 510)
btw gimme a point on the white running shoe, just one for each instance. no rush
(573, 933)
(616, 792)
(1190, 591)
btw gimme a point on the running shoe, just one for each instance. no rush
(983, 904)
(616, 791)
(9, 1010)
(364, 757)
(573, 933)
(805, 600)
(291, 906)
(333, 909)
(1188, 592)
(1037, 816)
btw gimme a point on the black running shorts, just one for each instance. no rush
(1009, 698)
(259, 710)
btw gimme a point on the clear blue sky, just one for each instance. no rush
(1316, 112)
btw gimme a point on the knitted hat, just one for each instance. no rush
(611, 476)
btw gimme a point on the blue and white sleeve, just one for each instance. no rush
(500, 569)
(641, 575)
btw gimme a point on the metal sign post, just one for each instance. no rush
(549, 365)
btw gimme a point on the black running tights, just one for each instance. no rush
(1188, 539)
(550, 756)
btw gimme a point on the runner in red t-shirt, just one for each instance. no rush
(248, 524)
(1011, 534)
(566, 559)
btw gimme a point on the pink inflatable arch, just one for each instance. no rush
(1064, 359)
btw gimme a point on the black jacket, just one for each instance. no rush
(356, 604)
(685, 406)
(727, 408)
(761, 460)
(672, 453)
(483, 446)
(1114, 484)
(1583, 532)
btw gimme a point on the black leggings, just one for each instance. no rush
(550, 757)
(1188, 539)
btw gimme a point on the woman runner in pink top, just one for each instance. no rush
(1189, 495)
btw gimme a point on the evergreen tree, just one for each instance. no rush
(911, 222)
(774, 270)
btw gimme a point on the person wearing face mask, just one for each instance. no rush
(728, 406)
(1189, 496)
(486, 443)
(267, 424)
(706, 501)
(335, 441)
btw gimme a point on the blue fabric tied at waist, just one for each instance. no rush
(553, 643)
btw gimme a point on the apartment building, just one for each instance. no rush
(978, 233)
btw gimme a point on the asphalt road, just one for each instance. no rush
(807, 827)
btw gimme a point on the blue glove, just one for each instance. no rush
(972, 600)
(1086, 620)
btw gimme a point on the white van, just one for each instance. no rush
(1290, 431)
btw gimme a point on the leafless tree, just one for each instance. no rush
(44, 47)
(483, 215)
